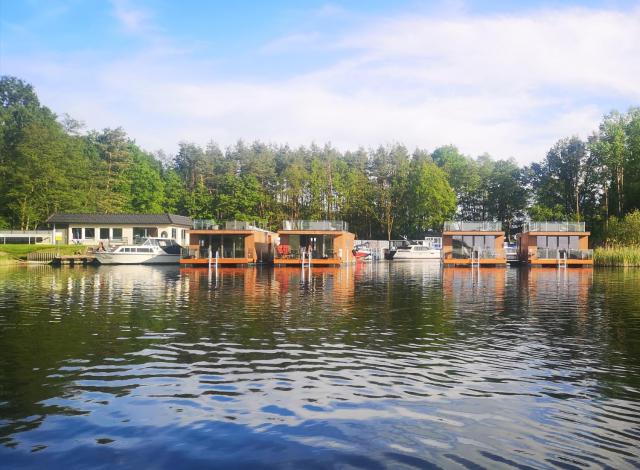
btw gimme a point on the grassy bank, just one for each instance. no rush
(14, 254)
(621, 256)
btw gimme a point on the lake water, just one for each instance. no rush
(399, 365)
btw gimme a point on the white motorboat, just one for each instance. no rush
(150, 251)
(429, 248)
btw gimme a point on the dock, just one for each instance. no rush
(72, 260)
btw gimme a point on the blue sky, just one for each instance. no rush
(507, 78)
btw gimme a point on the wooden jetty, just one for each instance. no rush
(72, 260)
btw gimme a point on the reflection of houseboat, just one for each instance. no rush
(429, 248)
(151, 251)
(473, 244)
(323, 242)
(555, 244)
(235, 243)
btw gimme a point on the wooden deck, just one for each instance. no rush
(314, 262)
(500, 262)
(72, 260)
(221, 261)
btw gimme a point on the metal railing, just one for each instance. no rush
(300, 254)
(563, 253)
(240, 225)
(469, 253)
(336, 225)
(554, 227)
(480, 226)
(204, 224)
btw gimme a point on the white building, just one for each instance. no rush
(91, 229)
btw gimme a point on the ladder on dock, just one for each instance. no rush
(562, 260)
(475, 258)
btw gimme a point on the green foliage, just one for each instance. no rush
(625, 231)
(48, 166)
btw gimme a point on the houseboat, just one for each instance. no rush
(473, 244)
(232, 243)
(314, 243)
(555, 244)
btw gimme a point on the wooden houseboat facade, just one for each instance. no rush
(233, 243)
(315, 243)
(555, 244)
(473, 244)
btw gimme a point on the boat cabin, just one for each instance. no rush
(316, 243)
(232, 243)
(473, 244)
(555, 244)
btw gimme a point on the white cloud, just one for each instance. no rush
(133, 20)
(510, 85)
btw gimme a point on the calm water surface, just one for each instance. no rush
(381, 366)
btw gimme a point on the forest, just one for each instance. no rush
(51, 163)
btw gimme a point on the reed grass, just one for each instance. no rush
(617, 256)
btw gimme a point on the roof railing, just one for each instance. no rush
(337, 225)
(204, 224)
(554, 226)
(470, 226)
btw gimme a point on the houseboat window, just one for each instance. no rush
(574, 243)
(552, 242)
(76, 233)
(90, 233)
(117, 233)
(104, 234)
(467, 240)
(563, 242)
(541, 241)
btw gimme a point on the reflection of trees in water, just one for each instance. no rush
(55, 324)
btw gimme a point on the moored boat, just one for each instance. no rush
(427, 249)
(150, 251)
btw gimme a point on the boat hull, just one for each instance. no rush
(137, 258)
(417, 255)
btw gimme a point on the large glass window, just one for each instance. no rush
(76, 233)
(117, 233)
(89, 233)
(144, 232)
(574, 243)
(104, 234)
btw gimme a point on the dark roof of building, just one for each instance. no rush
(123, 219)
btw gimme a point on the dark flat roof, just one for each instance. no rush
(123, 219)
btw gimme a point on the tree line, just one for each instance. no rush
(51, 164)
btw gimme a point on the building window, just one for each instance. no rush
(104, 234)
(76, 233)
(89, 233)
(174, 233)
(144, 232)
(117, 233)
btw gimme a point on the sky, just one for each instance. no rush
(499, 77)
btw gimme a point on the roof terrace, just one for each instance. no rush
(554, 227)
(480, 226)
(337, 225)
